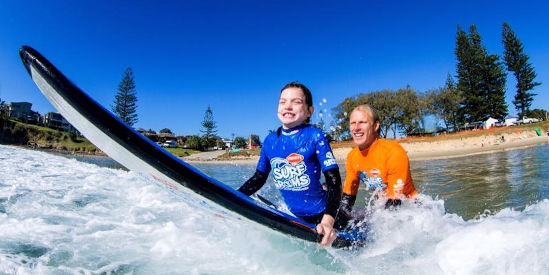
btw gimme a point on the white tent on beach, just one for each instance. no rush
(490, 122)
(510, 121)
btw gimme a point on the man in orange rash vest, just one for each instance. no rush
(377, 162)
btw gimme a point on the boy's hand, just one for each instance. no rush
(326, 228)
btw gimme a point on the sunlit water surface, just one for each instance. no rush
(485, 214)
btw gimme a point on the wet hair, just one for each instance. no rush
(306, 92)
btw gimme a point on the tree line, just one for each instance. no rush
(478, 93)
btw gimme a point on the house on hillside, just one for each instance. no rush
(162, 137)
(20, 110)
(57, 121)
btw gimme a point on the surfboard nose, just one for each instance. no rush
(36, 62)
(28, 55)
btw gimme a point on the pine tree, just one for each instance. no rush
(494, 85)
(466, 74)
(209, 128)
(517, 62)
(481, 78)
(125, 100)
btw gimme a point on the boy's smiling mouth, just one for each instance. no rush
(288, 115)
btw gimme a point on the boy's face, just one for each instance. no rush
(292, 108)
(363, 128)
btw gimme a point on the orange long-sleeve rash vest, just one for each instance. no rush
(384, 160)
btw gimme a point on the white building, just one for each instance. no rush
(490, 122)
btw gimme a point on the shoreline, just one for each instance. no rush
(473, 145)
(417, 149)
(494, 148)
(433, 149)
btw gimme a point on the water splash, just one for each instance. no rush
(62, 215)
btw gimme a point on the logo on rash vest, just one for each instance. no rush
(372, 179)
(294, 158)
(398, 187)
(330, 160)
(289, 173)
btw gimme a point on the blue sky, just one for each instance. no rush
(234, 56)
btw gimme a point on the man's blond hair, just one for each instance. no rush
(369, 109)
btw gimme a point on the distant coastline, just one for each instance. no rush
(418, 148)
(440, 147)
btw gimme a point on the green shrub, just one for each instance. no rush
(73, 136)
(19, 134)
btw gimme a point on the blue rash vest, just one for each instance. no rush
(296, 158)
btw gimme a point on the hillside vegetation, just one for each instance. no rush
(38, 137)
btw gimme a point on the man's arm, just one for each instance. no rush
(347, 203)
(399, 179)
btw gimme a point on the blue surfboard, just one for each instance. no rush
(138, 153)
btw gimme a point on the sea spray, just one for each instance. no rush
(62, 215)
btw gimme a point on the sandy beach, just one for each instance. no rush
(450, 146)
(472, 145)
(463, 146)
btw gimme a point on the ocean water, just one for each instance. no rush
(485, 214)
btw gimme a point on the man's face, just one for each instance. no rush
(363, 129)
(292, 108)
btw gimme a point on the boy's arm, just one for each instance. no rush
(260, 176)
(333, 182)
(254, 183)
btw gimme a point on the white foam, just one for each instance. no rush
(62, 215)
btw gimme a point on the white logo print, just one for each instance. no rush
(330, 160)
(398, 186)
(290, 176)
